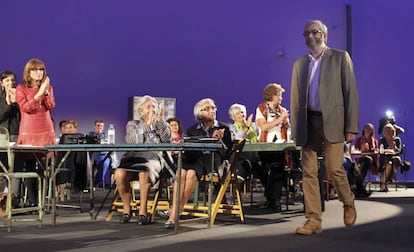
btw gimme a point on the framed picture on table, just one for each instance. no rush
(169, 106)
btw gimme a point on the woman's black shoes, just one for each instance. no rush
(125, 218)
(144, 219)
(169, 224)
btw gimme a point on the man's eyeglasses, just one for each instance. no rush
(208, 109)
(313, 32)
(37, 69)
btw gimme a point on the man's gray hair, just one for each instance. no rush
(322, 27)
(199, 105)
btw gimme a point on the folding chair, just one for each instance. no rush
(152, 205)
(230, 177)
(10, 175)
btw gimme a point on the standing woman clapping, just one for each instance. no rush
(36, 100)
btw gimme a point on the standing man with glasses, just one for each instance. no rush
(324, 113)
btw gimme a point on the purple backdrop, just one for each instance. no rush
(99, 53)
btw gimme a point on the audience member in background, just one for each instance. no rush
(61, 129)
(389, 159)
(101, 160)
(389, 118)
(73, 174)
(66, 176)
(98, 129)
(9, 119)
(367, 143)
(324, 113)
(349, 165)
(243, 128)
(196, 163)
(71, 127)
(347, 156)
(176, 129)
(9, 109)
(149, 128)
(273, 121)
(62, 126)
(355, 179)
(62, 176)
(36, 99)
(171, 157)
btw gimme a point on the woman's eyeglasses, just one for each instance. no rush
(210, 108)
(37, 69)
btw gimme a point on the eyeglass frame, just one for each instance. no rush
(209, 108)
(314, 32)
(37, 69)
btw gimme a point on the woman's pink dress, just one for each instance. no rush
(36, 125)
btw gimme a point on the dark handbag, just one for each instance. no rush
(405, 166)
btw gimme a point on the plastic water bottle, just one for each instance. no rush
(289, 135)
(111, 134)
(381, 149)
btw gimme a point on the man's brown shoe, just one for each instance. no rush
(350, 214)
(310, 227)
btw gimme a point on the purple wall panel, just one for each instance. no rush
(383, 64)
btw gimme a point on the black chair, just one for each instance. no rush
(404, 167)
(293, 175)
(72, 175)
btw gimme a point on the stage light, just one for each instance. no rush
(389, 113)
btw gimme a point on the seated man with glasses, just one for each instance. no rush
(195, 164)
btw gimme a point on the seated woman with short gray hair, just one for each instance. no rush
(149, 128)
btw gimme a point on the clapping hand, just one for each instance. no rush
(349, 137)
(161, 112)
(44, 86)
(219, 133)
(249, 120)
(43, 89)
(365, 147)
(284, 115)
(10, 95)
